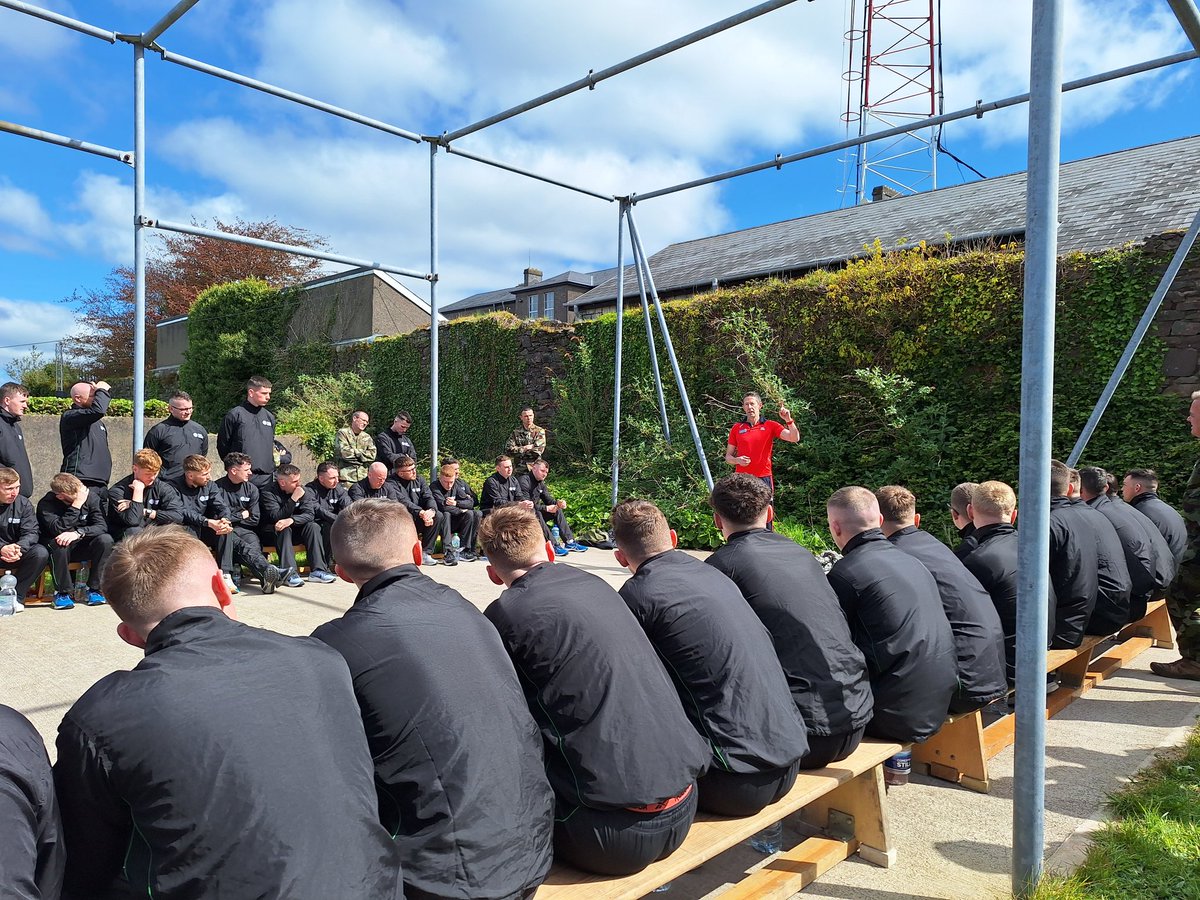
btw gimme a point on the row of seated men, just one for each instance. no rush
(575, 721)
(1112, 550)
(581, 722)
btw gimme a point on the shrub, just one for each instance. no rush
(317, 406)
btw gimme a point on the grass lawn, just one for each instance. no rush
(1151, 848)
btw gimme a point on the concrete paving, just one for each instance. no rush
(953, 843)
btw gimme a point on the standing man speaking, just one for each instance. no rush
(752, 440)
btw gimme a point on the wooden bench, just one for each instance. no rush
(845, 800)
(37, 595)
(960, 751)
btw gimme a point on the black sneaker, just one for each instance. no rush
(467, 556)
(271, 578)
(449, 558)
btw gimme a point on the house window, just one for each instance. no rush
(533, 306)
(548, 312)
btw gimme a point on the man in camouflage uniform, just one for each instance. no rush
(527, 444)
(1183, 596)
(354, 450)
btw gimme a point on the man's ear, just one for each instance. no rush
(549, 552)
(622, 560)
(717, 521)
(131, 637)
(1013, 519)
(496, 579)
(341, 573)
(221, 591)
(971, 511)
(674, 539)
(417, 554)
(917, 520)
(880, 525)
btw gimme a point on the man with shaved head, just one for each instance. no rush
(231, 761)
(376, 485)
(896, 619)
(458, 758)
(84, 436)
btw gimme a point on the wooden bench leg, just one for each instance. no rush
(957, 754)
(1155, 624)
(855, 812)
(1075, 672)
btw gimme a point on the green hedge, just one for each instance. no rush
(901, 368)
(53, 406)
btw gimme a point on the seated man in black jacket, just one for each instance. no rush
(21, 551)
(289, 517)
(1113, 583)
(205, 512)
(722, 660)
(993, 561)
(1140, 491)
(458, 763)
(620, 754)
(376, 486)
(787, 588)
(414, 494)
(978, 634)
(74, 530)
(960, 499)
(241, 498)
(550, 510)
(896, 618)
(456, 501)
(142, 499)
(332, 498)
(225, 761)
(502, 488)
(32, 855)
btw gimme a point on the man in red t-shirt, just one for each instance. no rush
(751, 440)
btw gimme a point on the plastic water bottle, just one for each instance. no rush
(897, 769)
(8, 594)
(556, 536)
(769, 840)
(455, 545)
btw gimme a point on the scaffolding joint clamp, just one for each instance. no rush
(979, 109)
(591, 80)
(778, 161)
(129, 158)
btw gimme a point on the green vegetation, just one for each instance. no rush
(53, 406)
(316, 406)
(1151, 849)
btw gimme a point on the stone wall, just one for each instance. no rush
(1178, 319)
(545, 350)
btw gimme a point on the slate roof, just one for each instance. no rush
(1104, 201)
(509, 295)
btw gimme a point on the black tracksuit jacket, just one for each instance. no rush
(32, 856)
(896, 618)
(160, 497)
(174, 440)
(84, 438)
(249, 429)
(390, 447)
(1147, 556)
(330, 501)
(1166, 519)
(13, 452)
(1113, 584)
(55, 517)
(499, 492)
(198, 504)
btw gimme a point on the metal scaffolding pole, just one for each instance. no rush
(164, 225)
(593, 78)
(74, 24)
(245, 81)
(1189, 17)
(617, 350)
(650, 345)
(519, 171)
(434, 384)
(662, 324)
(976, 111)
(1037, 406)
(1135, 340)
(125, 156)
(157, 29)
(139, 244)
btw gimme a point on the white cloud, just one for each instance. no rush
(24, 224)
(25, 37)
(26, 322)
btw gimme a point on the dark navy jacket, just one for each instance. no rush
(614, 733)
(896, 618)
(978, 634)
(1147, 556)
(199, 504)
(499, 492)
(32, 857)
(461, 491)
(1166, 519)
(458, 757)
(13, 452)
(55, 517)
(787, 588)
(174, 440)
(249, 429)
(84, 439)
(1074, 572)
(230, 762)
(330, 501)
(722, 660)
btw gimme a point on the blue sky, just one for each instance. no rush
(218, 150)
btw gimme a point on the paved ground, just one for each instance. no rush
(953, 843)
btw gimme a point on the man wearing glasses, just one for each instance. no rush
(177, 437)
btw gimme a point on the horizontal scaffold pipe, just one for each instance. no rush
(977, 110)
(519, 171)
(162, 225)
(58, 19)
(156, 30)
(125, 156)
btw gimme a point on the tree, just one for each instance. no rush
(177, 270)
(38, 372)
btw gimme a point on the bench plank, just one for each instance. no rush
(711, 835)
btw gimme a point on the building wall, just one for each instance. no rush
(1178, 320)
(172, 344)
(393, 313)
(341, 310)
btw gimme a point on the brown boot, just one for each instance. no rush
(1180, 668)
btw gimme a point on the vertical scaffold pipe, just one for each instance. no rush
(617, 351)
(1037, 381)
(434, 387)
(639, 265)
(139, 244)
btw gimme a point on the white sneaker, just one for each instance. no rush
(228, 579)
(18, 606)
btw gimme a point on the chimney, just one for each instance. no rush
(532, 275)
(883, 192)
